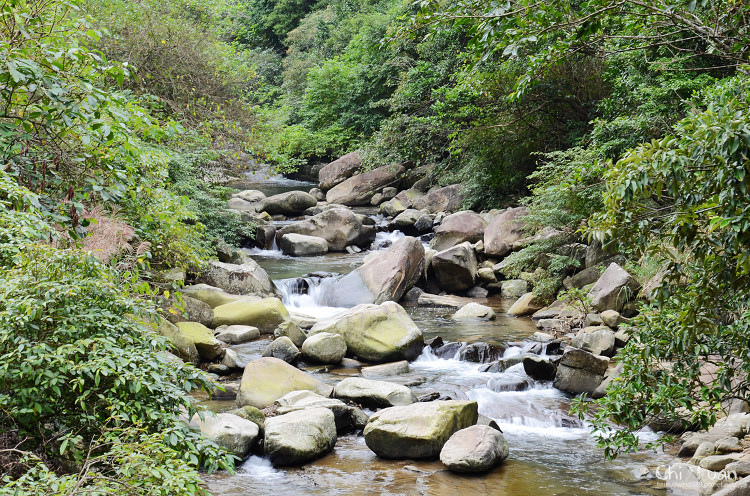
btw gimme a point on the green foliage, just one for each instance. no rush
(81, 372)
(699, 320)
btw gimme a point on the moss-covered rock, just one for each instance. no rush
(267, 379)
(182, 346)
(419, 430)
(201, 336)
(376, 333)
(265, 314)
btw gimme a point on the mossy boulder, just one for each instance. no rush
(376, 333)
(265, 314)
(213, 296)
(265, 380)
(201, 336)
(419, 430)
(182, 346)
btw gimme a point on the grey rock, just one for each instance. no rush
(475, 449)
(299, 437)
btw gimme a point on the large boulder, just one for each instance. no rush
(399, 203)
(339, 226)
(613, 289)
(580, 371)
(300, 245)
(339, 170)
(181, 345)
(264, 314)
(373, 394)
(289, 203)
(188, 310)
(359, 189)
(474, 450)
(376, 333)
(233, 433)
(212, 296)
(384, 277)
(538, 368)
(419, 430)
(265, 380)
(474, 311)
(457, 228)
(503, 231)
(525, 305)
(456, 267)
(299, 437)
(246, 279)
(599, 340)
(201, 336)
(446, 199)
(324, 347)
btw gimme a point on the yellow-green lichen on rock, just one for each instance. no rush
(264, 314)
(201, 336)
(376, 333)
(265, 380)
(419, 430)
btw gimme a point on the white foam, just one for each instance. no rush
(260, 468)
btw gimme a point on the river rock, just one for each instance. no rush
(538, 368)
(359, 189)
(613, 289)
(585, 277)
(347, 417)
(283, 349)
(386, 369)
(232, 360)
(213, 296)
(339, 226)
(525, 305)
(514, 288)
(299, 437)
(457, 228)
(376, 333)
(688, 480)
(611, 318)
(252, 414)
(289, 203)
(264, 314)
(598, 340)
(300, 245)
(456, 267)
(324, 347)
(479, 352)
(580, 371)
(203, 339)
(267, 379)
(405, 220)
(384, 277)
(182, 345)
(233, 433)
(339, 170)
(237, 334)
(373, 394)
(292, 331)
(475, 449)
(739, 488)
(245, 279)
(503, 231)
(474, 311)
(446, 199)
(250, 195)
(419, 430)
(189, 310)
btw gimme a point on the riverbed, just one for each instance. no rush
(551, 452)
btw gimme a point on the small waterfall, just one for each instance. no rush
(273, 252)
(308, 295)
(384, 239)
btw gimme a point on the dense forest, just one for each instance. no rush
(621, 122)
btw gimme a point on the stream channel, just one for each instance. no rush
(551, 452)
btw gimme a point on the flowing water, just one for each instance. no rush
(551, 452)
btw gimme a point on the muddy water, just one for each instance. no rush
(551, 452)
